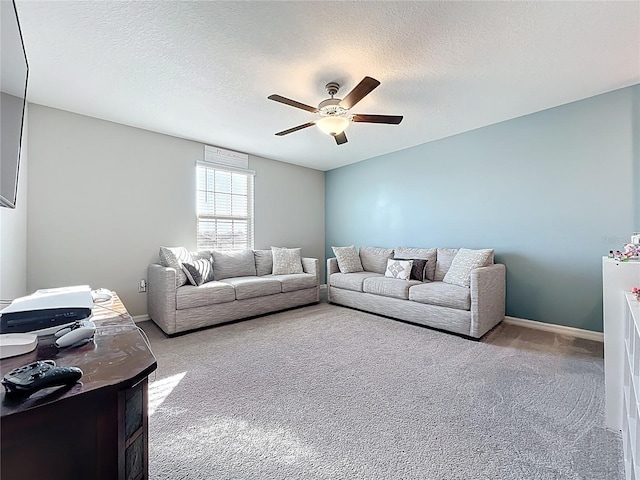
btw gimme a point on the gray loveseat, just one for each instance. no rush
(243, 287)
(468, 310)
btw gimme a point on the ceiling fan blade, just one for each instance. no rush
(340, 138)
(293, 103)
(364, 88)
(392, 119)
(295, 129)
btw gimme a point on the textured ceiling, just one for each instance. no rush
(203, 70)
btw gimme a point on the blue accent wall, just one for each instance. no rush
(551, 192)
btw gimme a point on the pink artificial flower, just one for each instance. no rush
(635, 290)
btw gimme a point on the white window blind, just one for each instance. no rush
(225, 207)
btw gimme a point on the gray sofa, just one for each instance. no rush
(471, 311)
(243, 287)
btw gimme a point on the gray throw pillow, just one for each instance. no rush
(348, 259)
(199, 271)
(174, 257)
(286, 261)
(466, 260)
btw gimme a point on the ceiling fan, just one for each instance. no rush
(335, 115)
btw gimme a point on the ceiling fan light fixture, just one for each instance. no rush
(335, 113)
(333, 125)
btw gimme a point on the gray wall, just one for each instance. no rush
(289, 207)
(13, 235)
(103, 197)
(551, 192)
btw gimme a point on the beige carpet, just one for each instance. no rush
(325, 392)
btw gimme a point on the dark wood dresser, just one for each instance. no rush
(95, 429)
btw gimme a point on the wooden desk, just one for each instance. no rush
(95, 429)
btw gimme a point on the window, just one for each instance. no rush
(225, 208)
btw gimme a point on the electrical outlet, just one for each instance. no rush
(142, 286)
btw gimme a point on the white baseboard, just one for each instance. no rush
(141, 318)
(559, 329)
(547, 327)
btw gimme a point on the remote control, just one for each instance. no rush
(35, 376)
(80, 331)
(101, 295)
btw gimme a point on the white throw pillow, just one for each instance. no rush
(174, 257)
(400, 269)
(348, 259)
(466, 260)
(286, 261)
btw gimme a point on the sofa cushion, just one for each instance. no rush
(231, 264)
(264, 262)
(251, 287)
(441, 294)
(400, 269)
(418, 268)
(389, 287)
(374, 259)
(201, 255)
(428, 254)
(173, 257)
(297, 281)
(209, 293)
(198, 271)
(351, 281)
(348, 259)
(466, 260)
(286, 261)
(443, 262)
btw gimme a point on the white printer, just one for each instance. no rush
(46, 310)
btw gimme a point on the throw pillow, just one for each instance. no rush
(174, 257)
(348, 259)
(198, 271)
(286, 261)
(419, 268)
(400, 269)
(466, 260)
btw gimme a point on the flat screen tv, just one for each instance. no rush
(14, 74)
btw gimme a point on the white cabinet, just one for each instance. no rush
(631, 389)
(617, 278)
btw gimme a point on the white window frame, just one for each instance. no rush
(213, 244)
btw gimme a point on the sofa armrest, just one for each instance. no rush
(161, 296)
(488, 298)
(312, 265)
(332, 267)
